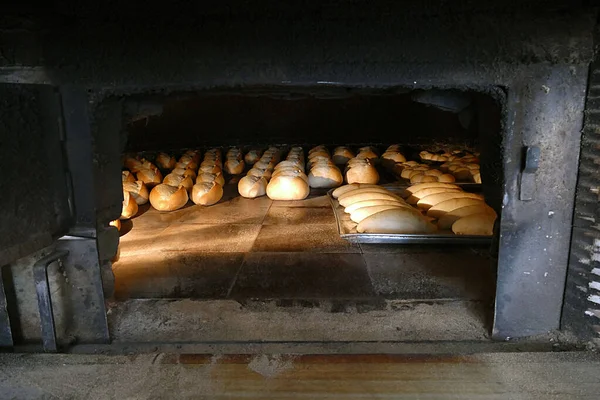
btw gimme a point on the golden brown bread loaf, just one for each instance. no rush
(179, 180)
(341, 155)
(345, 202)
(347, 188)
(252, 156)
(207, 194)
(288, 186)
(252, 186)
(137, 190)
(165, 161)
(396, 220)
(475, 224)
(150, 176)
(168, 198)
(207, 177)
(447, 220)
(361, 171)
(130, 207)
(373, 202)
(127, 176)
(444, 207)
(364, 212)
(429, 201)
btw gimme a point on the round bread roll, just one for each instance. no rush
(252, 156)
(420, 177)
(290, 164)
(151, 177)
(433, 172)
(165, 161)
(475, 224)
(396, 220)
(168, 198)
(429, 201)
(341, 155)
(362, 174)
(192, 155)
(447, 220)
(211, 169)
(179, 180)
(130, 207)
(206, 177)
(137, 190)
(440, 209)
(393, 156)
(325, 177)
(206, 194)
(252, 186)
(234, 166)
(185, 172)
(188, 164)
(132, 164)
(446, 178)
(288, 187)
(127, 176)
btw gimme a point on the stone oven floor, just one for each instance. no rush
(263, 249)
(242, 257)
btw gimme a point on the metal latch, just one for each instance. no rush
(530, 167)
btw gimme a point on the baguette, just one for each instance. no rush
(475, 224)
(415, 188)
(347, 188)
(444, 207)
(369, 203)
(446, 220)
(396, 220)
(429, 201)
(364, 212)
(366, 196)
(418, 195)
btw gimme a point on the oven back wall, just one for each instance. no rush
(239, 119)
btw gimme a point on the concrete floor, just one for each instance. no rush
(564, 375)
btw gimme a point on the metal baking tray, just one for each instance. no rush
(347, 230)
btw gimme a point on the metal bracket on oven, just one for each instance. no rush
(42, 288)
(532, 161)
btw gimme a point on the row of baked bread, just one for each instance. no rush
(289, 181)
(254, 184)
(423, 208)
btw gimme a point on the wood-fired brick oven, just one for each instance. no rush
(71, 79)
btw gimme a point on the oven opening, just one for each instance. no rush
(287, 262)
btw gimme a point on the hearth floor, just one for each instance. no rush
(288, 250)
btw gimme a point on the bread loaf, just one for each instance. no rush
(179, 180)
(185, 172)
(137, 190)
(418, 195)
(252, 156)
(127, 176)
(325, 177)
(150, 176)
(368, 203)
(396, 220)
(130, 207)
(415, 188)
(367, 189)
(168, 198)
(252, 186)
(234, 166)
(438, 210)
(207, 177)
(446, 220)
(360, 214)
(165, 161)
(207, 194)
(365, 196)
(475, 224)
(429, 201)
(362, 173)
(291, 186)
(347, 188)
(341, 155)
